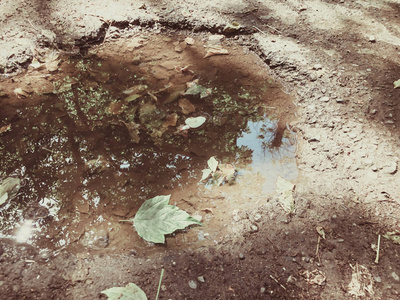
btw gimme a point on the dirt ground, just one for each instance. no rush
(331, 66)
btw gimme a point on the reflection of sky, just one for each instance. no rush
(269, 162)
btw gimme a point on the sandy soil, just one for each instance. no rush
(338, 61)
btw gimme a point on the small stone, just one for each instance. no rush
(389, 122)
(241, 256)
(377, 279)
(372, 39)
(163, 287)
(193, 284)
(339, 100)
(390, 168)
(374, 111)
(201, 279)
(254, 228)
(395, 276)
(340, 240)
(257, 217)
(236, 218)
(262, 290)
(324, 99)
(307, 259)
(317, 67)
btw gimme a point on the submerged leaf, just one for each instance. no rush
(195, 122)
(156, 218)
(130, 292)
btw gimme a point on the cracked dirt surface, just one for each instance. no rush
(338, 60)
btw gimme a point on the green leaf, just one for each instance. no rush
(130, 292)
(396, 84)
(156, 218)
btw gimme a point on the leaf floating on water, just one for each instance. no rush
(396, 84)
(195, 122)
(216, 50)
(130, 292)
(156, 218)
(187, 106)
(284, 190)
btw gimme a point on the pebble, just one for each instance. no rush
(254, 228)
(257, 217)
(317, 67)
(307, 259)
(390, 168)
(324, 99)
(372, 39)
(241, 256)
(377, 279)
(262, 290)
(193, 284)
(201, 279)
(395, 276)
(339, 100)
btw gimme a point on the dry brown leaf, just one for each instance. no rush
(5, 128)
(171, 120)
(186, 105)
(115, 108)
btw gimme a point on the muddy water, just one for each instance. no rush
(92, 137)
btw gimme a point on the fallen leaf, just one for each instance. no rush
(314, 277)
(393, 236)
(321, 231)
(396, 84)
(35, 63)
(156, 218)
(212, 164)
(189, 41)
(115, 108)
(171, 120)
(215, 50)
(130, 291)
(51, 60)
(361, 282)
(206, 173)
(284, 190)
(132, 98)
(226, 173)
(21, 93)
(133, 130)
(186, 105)
(232, 27)
(136, 89)
(5, 128)
(195, 122)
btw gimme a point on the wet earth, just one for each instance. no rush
(104, 107)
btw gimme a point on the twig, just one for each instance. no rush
(317, 251)
(277, 281)
(269, 26)
(260, 30)
(159, 284)
(377, 252)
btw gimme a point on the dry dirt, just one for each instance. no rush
(336, 62)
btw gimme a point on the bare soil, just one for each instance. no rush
(329, 67)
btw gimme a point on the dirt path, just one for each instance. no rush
(337, 60)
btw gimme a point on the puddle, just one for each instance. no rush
(92, 137)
